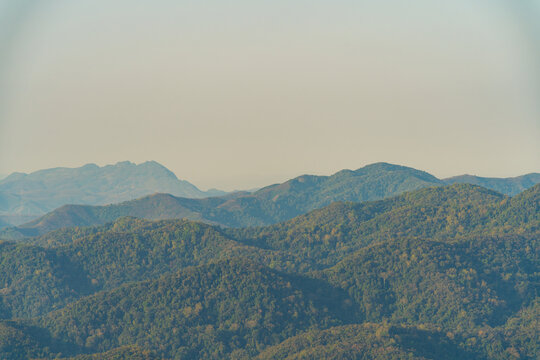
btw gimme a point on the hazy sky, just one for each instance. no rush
(237, 94)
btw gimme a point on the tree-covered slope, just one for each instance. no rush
(120, 353)
(323, 237)
(481, 293)
(34, 280)
(461, 285)
(517, 338)
(22, 340)
(478, 296)
(37, 280)
(372, 182)
(370, 341)
(154, 207)
(509, 186)
(130, 249)
(115, 257)
(455, 268)
(229, 308)
(522, 213)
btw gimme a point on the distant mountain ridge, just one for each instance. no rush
(509, 186)
(39, 192)
(268, 205)
(265, 206)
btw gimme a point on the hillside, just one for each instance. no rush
(42, 191)
(34, 280)
(369, 341)
(22, 341)
(130, 249)
(323, 237)
(215, 310)
(23, 197)
(268, 205)
(372, 182)
(443, 271)
(509, 186)
(460, 285)
(37, 280)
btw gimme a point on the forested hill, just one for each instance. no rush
(444, 271)
(445, 213)
(81, 261)
(509, 186)
(39, 192)
(34, 194)
(232, 306)
(268, 205)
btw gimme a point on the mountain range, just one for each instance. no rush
(269, 205)
(26, 196)
(441, 272)
(509, 186)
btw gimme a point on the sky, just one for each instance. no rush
(236, 94)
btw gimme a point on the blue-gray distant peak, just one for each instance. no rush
(34, 194)
(509, 186)
(267, 205)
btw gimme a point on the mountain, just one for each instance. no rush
(265, 206)
(154, 207)
(428, 281)
(369, 341)
(42, 191)
(22, 340)
(25, 196)
(236, 308)
(509, 186)
(323, 237)
(516, 339)
(269, 205)
(372, 182)
(82, 261)
(232, 307)
(37, 280)
(440, 272)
